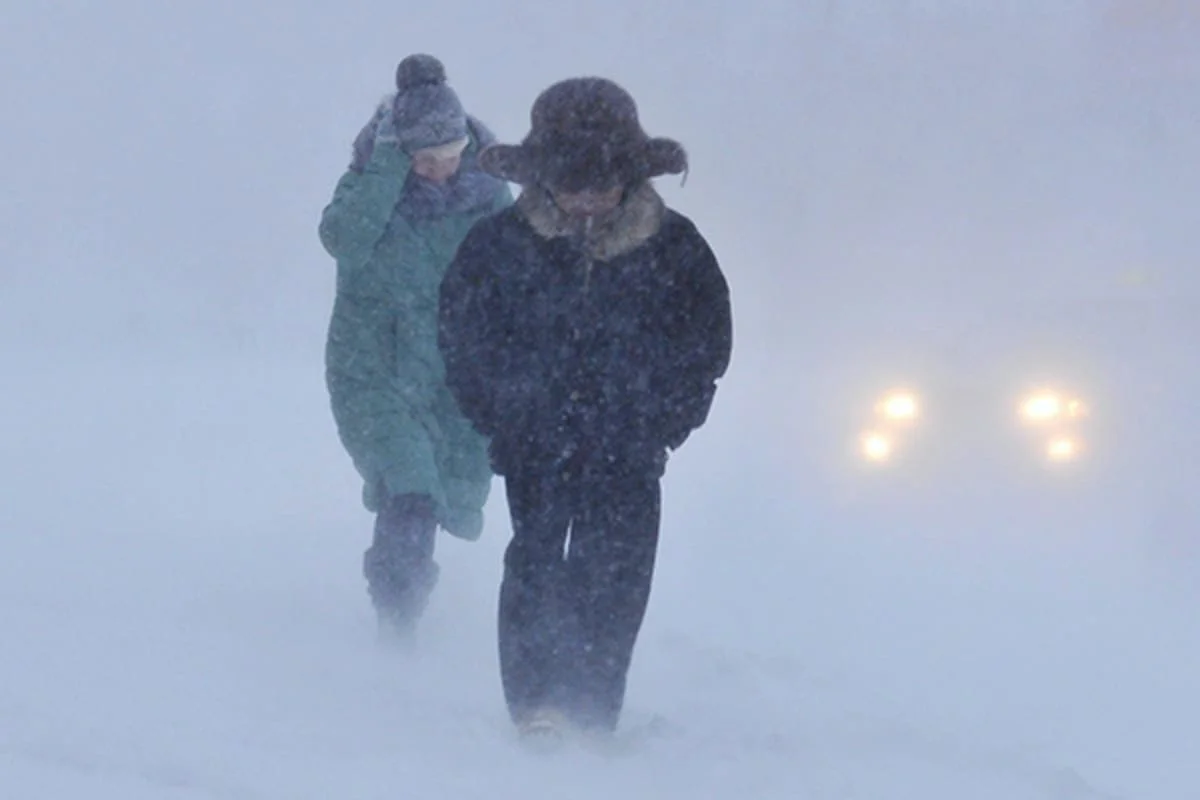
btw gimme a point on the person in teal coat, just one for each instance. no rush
(411, 193)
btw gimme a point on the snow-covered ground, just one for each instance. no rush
(181, 609)
(183, 616)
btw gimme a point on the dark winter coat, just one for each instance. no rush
(591, 351)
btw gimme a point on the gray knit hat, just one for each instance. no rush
(426, 112)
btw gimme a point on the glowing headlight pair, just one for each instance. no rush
(1050, 406)
(892, 412)
(1057, 414)
(1054, 414)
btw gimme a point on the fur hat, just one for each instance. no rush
(426, 111)
(584, 134)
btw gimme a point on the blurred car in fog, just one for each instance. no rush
(1055, 408)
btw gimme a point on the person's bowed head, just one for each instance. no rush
(585, 147)
(424, 118)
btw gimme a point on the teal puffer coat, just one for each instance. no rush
(385, 376)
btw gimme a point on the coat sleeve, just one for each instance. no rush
(466, 308)
(358, 215)
(703, 342)
(360, 351)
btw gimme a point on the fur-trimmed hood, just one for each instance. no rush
(630, 225)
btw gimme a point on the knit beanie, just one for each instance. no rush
(426, 111)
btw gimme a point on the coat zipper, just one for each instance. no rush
(587, 259)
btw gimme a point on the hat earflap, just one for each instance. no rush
(662, 156)
(508, 162)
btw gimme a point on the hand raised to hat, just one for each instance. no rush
(385, 126)
(379, 130)
(414, 71)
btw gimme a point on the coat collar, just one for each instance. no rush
(635, 221)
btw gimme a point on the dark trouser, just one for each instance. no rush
(570, 613)
(399, 565)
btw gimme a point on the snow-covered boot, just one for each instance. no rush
(399, 613)
(544, 729)
(399, 567)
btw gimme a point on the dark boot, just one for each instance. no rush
(399, 565)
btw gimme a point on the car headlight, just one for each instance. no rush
(1041, 407)
(876, 446)
(1050, 406)
(1057, 415)
(898, 406)
(1055, 419)
(1063, 448)
(894, 411)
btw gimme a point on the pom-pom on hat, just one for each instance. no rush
(426, 112)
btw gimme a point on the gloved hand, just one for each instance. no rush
(380, 131)
(422, 79)
(385, 124)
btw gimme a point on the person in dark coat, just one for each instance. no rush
(583, 331)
